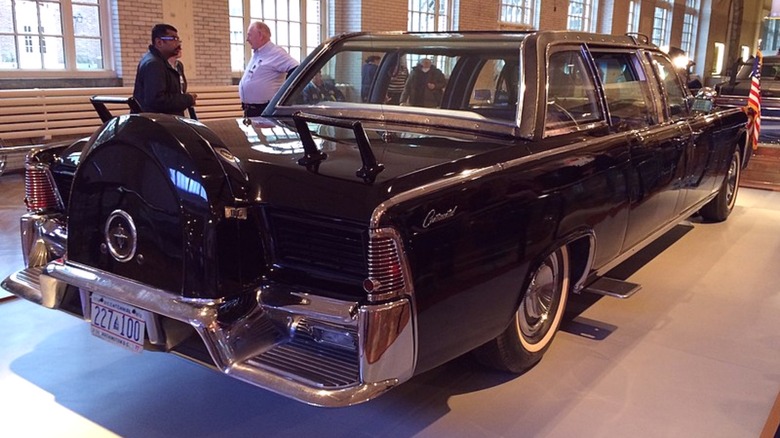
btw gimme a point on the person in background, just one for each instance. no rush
(158, 84)
(397, 82)
(319, 90)
(266, 71)
(425, 86)
(367, 76)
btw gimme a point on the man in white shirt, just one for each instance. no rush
(266, 71)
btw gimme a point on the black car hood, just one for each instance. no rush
(269, 150)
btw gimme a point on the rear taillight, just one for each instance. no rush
(388, 274)
(40, 191)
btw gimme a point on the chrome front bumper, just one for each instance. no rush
(275, 346)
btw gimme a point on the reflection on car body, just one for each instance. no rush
(334, 250)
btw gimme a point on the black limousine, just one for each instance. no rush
(338, 246)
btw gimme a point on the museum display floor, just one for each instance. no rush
(695, 353)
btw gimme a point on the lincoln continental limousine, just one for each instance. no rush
(352, 238)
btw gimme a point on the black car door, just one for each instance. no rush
(657, 141)
(699, 150)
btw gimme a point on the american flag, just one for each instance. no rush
(753, 108)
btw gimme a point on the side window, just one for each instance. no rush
(495, 90)
(572, 100)
(676, 98)
(485, 92)
(626, 90)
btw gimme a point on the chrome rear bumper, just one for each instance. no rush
(317, 350)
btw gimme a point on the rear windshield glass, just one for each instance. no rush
(479, 79)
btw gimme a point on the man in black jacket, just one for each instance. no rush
(157, 83)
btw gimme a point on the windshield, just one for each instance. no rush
(481, 78)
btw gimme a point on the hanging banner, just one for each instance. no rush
(775, 13)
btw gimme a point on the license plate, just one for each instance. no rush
(118, 323)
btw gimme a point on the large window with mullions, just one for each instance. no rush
(582, 15)
(296, 26)
(520, 12)
(690, 25)
(431, 15)
(662, 18)
(53, 35)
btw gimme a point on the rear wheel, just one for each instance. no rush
(719, 208)
(536, 320)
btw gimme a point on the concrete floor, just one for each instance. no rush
(696, 353)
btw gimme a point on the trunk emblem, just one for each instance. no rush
(433, 216)
(120, 236)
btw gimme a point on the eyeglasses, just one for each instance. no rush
(170, 38)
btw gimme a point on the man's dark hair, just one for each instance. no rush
(161, 30)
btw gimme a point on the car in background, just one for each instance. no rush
(734, 92)
(329, 251)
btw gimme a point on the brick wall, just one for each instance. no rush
(478, 16)
(212, 42)
(211, 38)
(384, 15)
(553, 14)
(136, 19)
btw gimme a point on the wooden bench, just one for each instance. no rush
(31, 117)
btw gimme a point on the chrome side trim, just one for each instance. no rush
(579, 284)
(261, 347)
(467, 176)
(435, 186)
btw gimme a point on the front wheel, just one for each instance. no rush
(521, 345)
(719, 208)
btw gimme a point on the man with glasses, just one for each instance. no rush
(266, 71)
(158, 84)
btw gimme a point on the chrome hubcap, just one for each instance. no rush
(731, 180)
(538, 307)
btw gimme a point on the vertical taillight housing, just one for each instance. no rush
(388, 272)
(40, 190)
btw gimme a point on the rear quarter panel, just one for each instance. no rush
(470, 262)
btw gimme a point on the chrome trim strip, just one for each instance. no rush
(465, 121)
(471, 175)
(579, 285)
(521, 90)
(386, 332)
(466, 176)
(434, 186)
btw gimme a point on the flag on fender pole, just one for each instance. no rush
(753, 108)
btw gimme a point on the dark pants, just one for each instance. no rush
(253, 109)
